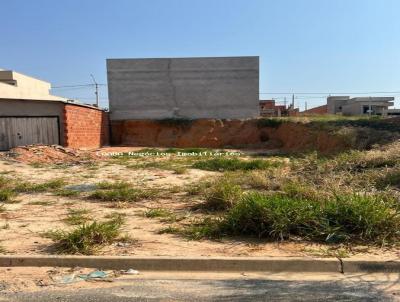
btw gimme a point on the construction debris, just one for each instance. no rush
(54, 154)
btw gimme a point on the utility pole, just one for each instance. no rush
(305, 105)
(284, 101)
(293, 100)
(96, 85)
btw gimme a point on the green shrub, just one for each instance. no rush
(222, 195)
(233, 164)
(269, 122)
(86, 238)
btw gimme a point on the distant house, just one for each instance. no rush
(29, 114)
(268, 108)
(320, 110)
(359, 105)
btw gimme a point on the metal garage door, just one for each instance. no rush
(20, 131)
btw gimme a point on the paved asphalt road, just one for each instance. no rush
(225, 289)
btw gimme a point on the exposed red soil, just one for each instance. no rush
(211, 133)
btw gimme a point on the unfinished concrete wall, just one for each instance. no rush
(183, 88)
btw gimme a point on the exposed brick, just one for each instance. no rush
(85, 127)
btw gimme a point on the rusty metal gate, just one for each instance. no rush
(19, 131)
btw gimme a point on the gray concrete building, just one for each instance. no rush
(214, 87)
(359, 105)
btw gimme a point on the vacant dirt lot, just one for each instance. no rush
(27, 216)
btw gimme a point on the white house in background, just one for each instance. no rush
(14, 85)
(359, 105)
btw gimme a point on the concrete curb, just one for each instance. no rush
(371, 266)
(215, 264)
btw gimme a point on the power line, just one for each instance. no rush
(74, 86)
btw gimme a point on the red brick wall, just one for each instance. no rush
(85, 127)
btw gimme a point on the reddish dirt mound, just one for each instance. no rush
(49, 154)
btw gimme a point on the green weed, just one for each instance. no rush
(233, 164)
(85, 239)
(120, 191)
(27, 187)
(6, 195)
(77, 216)
(222, 195)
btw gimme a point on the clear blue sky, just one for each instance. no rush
(304, 45)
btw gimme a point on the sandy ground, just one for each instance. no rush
(22, 224)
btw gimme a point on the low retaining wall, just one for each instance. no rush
(212, 133)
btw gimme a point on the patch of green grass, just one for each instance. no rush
(67, 193)
(120, 191)
(340, 219)
(62, 166)
(170, 230)
(197, 188)
(37, 165)
(6, 172)
(207, 228)
(85, 239)
(359, 161)
(233, 164)
(170, 165)
(26, 187)
(180, 170)
(164, 214)
(343, 218)
(77, 216)
(105, 185)
(4, 182)
(121, 217)
(222, 195)
(174, 189)
(390, 179)
(6, 195)
(301, 190)
(41, 203)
